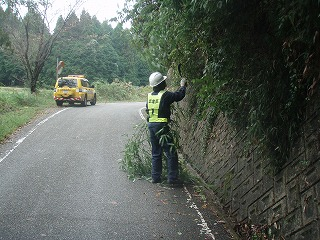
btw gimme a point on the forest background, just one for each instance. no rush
(86, 46)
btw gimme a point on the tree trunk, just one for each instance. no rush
(33, 85)
(34, 76)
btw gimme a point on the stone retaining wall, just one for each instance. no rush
(241, 178)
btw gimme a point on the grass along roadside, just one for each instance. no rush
(120, 91)
(18, 106)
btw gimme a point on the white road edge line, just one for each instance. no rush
(141, 114)
(29, 133)
(205, 229)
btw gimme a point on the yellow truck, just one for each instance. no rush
(74, 89)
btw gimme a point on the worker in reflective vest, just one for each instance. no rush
(158, 110)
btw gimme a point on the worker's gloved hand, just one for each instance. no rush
(183, 82)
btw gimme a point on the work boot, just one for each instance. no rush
(157, 180)
(175, 182)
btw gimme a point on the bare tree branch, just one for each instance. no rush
(30, 34)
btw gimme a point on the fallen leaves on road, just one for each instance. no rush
(164, 201)
(257, 232)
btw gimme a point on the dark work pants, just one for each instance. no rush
(157, 151)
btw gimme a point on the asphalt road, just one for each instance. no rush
(60, 179)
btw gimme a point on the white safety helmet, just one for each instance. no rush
(156, 78)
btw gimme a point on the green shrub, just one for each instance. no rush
(254, 61)
(137, 160)
(137, 154)
(120, 91)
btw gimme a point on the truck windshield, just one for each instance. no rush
(67, 82)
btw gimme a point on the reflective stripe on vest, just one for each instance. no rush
(153, 107)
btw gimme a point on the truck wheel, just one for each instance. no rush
(94, 100)
(59, 103)
(84, 102)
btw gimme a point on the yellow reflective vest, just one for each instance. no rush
(153, 107)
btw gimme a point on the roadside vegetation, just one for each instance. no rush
(120, 91)
(18, 106)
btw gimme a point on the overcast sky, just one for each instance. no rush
(102, 9)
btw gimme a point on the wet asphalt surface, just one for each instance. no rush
(60, 178)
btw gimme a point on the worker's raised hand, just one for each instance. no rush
(183, 82)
